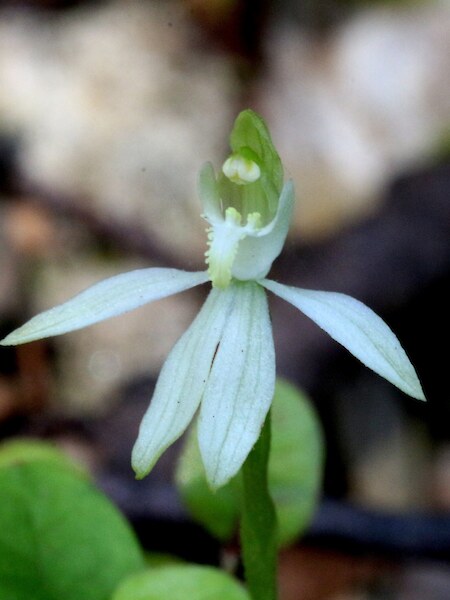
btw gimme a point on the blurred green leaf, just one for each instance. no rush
(60, 538)
(218, 511)
(180, 582)
(25, 450)
(296, 461)
(295, 472)
(162, 559)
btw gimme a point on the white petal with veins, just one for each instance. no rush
(357, 328)
(108, 298)
(181, 382)
(257, 251)
(240, 388)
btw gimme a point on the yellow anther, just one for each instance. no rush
(254, 221)
(232, 216)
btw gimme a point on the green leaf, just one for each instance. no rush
(218, 511)
(162, 559)
(181, 582)
(296, 461)
(59, 537)
(295, 472)
(26, 450)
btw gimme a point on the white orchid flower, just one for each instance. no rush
(224, 364)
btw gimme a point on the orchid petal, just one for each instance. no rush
(209, 194)
(108, 298)
(181, 382)
(358, 329)
(256, 252)
(240, 387)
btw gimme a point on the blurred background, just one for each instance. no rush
(107, 111)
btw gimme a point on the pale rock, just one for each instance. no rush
(115, 105)
(350, 110)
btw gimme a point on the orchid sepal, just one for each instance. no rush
(108, 298)
(361, 331)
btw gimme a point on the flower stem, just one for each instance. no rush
(258, 524)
